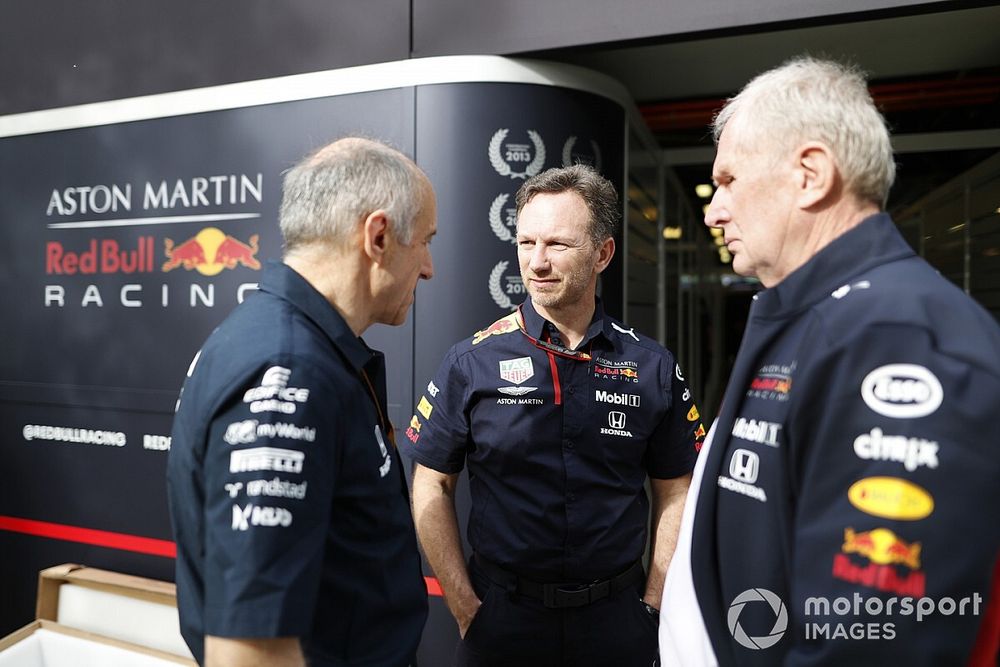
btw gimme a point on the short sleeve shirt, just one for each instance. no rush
(287, 497)
(558, 445)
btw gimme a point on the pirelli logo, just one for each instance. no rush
(631, 400)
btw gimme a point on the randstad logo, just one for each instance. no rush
(210, 251)
(756, 595)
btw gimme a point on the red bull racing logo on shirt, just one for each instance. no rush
(885, 553)
(621, 371)
(773, 382)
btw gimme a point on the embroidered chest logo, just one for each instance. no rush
(516, 371)
(743, 469)
(773, 382)
(616, 422)
(622, 371)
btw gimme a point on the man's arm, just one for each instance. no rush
(228, 652)
(668, 505)
(437, 528)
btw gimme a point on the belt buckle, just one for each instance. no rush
(557, 596)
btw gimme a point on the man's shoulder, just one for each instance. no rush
(490, 338)
(634, 341)
(262, 332)
(909, 294)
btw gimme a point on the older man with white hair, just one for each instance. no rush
(843, 507)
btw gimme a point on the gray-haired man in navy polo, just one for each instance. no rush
(295, 541)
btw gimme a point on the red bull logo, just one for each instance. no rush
(884, 550)
(780, 385)
(101, 256)
(501, 326)
(629, 373)
(882, 546)
(210, 251)
(415, 423)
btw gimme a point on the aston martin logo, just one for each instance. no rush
(501, 156)
(516, 391)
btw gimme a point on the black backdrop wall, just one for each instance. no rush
(122, 245)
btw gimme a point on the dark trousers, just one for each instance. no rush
(512, 630)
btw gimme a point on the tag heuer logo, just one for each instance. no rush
(516, 371)
(508, 158)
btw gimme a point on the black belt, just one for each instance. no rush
(557, 596)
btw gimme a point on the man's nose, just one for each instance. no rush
(427, 269)
(716, 214)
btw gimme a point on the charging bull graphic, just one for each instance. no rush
(211, 251)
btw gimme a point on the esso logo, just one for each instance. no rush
(902, 391)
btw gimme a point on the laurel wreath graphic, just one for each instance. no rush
(496, 159)
(567, 156)
(496, 224)
(539, 161)
(496, 291)
(567, 153)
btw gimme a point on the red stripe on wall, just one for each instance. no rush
(123, 541)
(101, 538)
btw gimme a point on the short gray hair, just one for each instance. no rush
(810, 99)
(330, 190)
(596, 191)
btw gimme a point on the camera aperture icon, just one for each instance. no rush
(780, 618)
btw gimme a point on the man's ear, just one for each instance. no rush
(815, 173)
(605, 253)
(375, 233)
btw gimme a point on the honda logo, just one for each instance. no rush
(743, 466)
(616, 420)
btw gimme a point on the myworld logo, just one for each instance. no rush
(757, 595)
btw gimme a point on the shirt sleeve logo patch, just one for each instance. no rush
(266, 458)
(274, 394)
(516, 371)
(425, 408)
(254, 515)
(501, 326)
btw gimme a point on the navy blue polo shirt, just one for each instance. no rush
(288, 501)
(558, 448)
